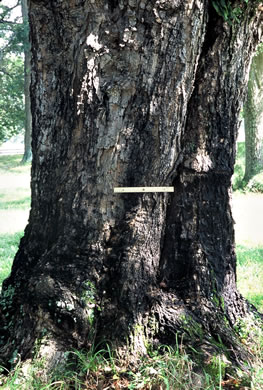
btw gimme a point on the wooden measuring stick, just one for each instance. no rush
(143, 189)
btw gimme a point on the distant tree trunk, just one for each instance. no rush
(130, 94)
(253, 114)
(27, 75)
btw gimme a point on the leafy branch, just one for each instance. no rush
(5, 13)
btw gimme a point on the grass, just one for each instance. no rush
(15, 200)
(250, 274)
(8, 248)
(14, 208)
(11, 164)
(256, 183)
(165, 368)
(162, 369)
(248, 211)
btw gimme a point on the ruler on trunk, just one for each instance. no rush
(142, 189)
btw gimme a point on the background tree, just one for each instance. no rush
(27, 76)
(131, 93)
(11, 65)
(15, 43)
(12, 112)
(253, 115)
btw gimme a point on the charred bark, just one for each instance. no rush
(130, 94)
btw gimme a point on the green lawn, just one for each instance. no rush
(247, 212)
(8, 247)
(250, 274)
(14, 208)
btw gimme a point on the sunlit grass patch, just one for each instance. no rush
(8, 248)
(14, 194)
(7, 162)
(15, 198)
(14, 177)
(14, 183)
(250, 274)
(23, 203)
(249, 254)
(13, 164)
(256, 183)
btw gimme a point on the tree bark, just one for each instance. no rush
(27, 76)
(253, 114)
(130, 93)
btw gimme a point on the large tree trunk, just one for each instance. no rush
(253, 113)
(27, 70)
(130, 93)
